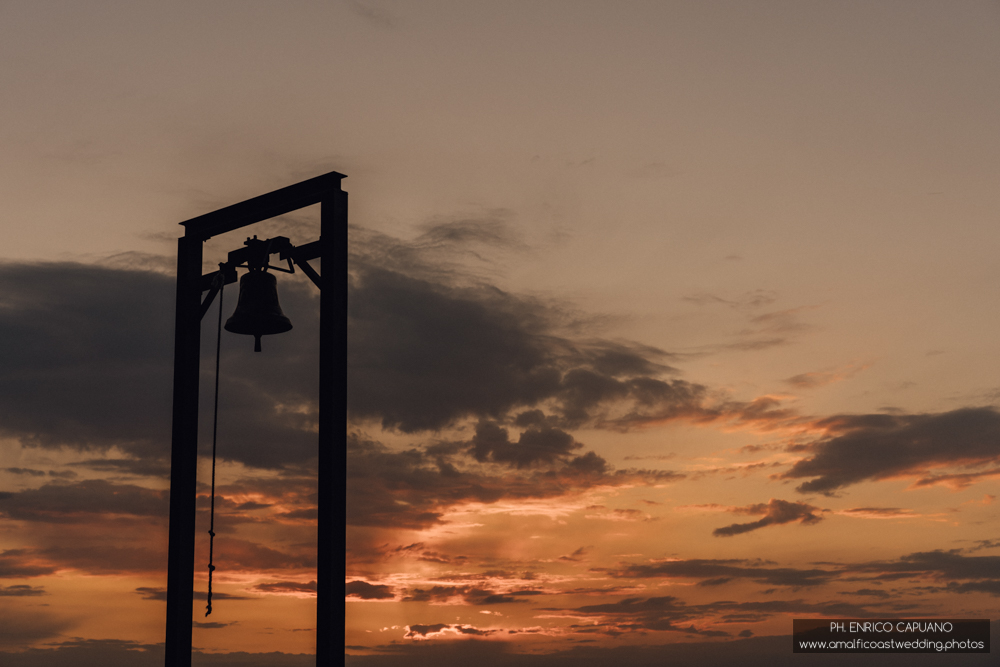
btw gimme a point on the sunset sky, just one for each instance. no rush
(669, 322)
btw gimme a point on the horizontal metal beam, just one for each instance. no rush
(303, 253)
(263, 207)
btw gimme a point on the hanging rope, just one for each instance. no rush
(215, 431)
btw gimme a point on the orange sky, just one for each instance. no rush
(670, 322)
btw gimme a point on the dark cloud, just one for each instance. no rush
(21, 591)
(124, 653)
(468, 595)
(985, 544)
(776, 512)
(85, 355)
(428, 348)
(535, 445)
(366, 591)
(26, 471)
(243, 555)
(710, 569)
(68, 503)
(877, 512)
(19, 563)
(424, 355)
(576, 556)
(670, 614)
(635, 614)
(26, 626)
(160, 594)
(489, 230)
(412, 489)
(140, 467)
(212, 625)
(869, 592)
(286, 587)
(86, 362)
(103, 558)
(958, 572)
(104, 550)
(881, 446)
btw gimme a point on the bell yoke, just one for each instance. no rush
(257, 311)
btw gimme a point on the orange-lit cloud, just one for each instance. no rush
(815, 379)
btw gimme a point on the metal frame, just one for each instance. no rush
(332, 523)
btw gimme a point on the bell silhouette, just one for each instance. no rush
(257, 311)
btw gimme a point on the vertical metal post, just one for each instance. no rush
(184, 453)
(332, 490)
(332, 519)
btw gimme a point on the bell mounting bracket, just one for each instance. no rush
(256, 257)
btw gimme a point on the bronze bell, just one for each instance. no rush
(257, 311)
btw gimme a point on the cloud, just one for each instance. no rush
(25, 471)
(708, 569)
(287, 587)
(212, 625)
(821, 378)
(21, 591)
(776, 512)
(418, 631)
(68, 503)
(576, 556)
(428, 348)
(85, 355)
(86, 362)
(633, 614)
(23, 627)
(535, 445)
(125, 653)
(747, 301)
(953, 570)
(670, 614)
(878, 513)
(160, 594)
(144, 468)
(869, 592)
(879, 446)
(365, 591)
(491, 229)
(103, 551)
(373, 14)
(467, 595)
(415, 487)
(103, 558)
(20, 563)
(425, 355)
(976, 573)
(244, 555)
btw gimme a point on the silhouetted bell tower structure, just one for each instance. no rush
(261, 315)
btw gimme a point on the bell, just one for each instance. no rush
(257, 311)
